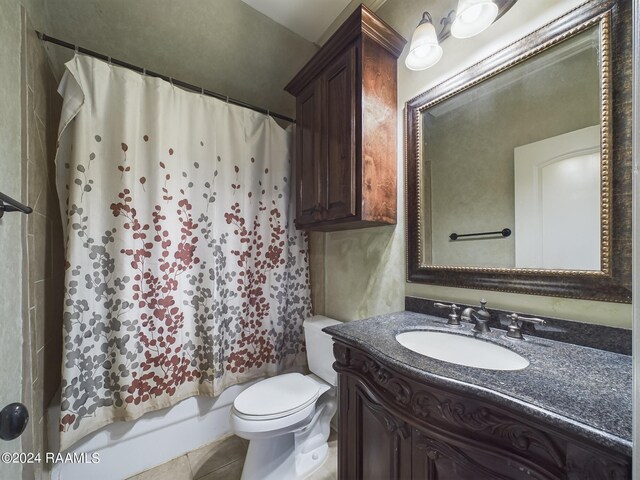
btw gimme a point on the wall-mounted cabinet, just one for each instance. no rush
(346, 131)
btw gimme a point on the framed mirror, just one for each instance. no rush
(520, 166)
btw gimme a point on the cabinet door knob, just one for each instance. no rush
(13, 420)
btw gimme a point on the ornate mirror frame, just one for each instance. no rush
(612, 283)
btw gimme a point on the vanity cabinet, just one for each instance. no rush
(346, 128)
(392, 426)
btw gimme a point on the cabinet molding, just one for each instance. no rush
(362, 21)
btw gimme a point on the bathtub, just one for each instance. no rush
(127, 448)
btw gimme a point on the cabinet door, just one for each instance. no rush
(339, 157)
(378, 445)
(308, 153)
(437, 458)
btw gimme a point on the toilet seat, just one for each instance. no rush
(276, 397)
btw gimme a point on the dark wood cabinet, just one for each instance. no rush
(346, 130)
(384, 442)
(392, 426)
(308, 149)
(339, 82)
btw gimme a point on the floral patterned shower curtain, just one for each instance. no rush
(184, 272)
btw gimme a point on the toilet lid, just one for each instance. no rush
(277, 396)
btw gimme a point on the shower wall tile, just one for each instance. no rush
(44, 265)
(37, 182)
(36, 335)
(37, 406)
(43, 76)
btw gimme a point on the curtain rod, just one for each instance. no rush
(46, 38)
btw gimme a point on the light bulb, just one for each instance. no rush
(424, 51)
(473, 17)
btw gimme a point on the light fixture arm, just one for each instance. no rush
(426, 18)
(446, 22)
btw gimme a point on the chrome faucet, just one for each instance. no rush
(514, 328)
(454, 318)
(479, 317)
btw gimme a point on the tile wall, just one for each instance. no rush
(43, 265)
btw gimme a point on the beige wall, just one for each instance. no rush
(362, 273)
(222, 45)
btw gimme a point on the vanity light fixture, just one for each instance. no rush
(469, 19)
(425, 50)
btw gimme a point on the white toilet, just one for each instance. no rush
(287, 417)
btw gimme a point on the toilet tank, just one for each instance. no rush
(320, 348)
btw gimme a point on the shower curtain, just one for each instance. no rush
(184, 272)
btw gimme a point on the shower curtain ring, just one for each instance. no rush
(202, 91)
(227, 98)
(75, 49)
(171, 81)
(109, 60)
(144, 72)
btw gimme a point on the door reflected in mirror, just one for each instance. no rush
(557, 202)
(519, 151)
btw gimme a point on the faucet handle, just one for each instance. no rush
(483, 312)
(514, 328)
(454, 318)
(517, 318)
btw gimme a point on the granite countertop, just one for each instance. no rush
(580, 389)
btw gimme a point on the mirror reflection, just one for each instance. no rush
(518, 155)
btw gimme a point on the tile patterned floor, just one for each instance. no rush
(223, 460)
(219, 460)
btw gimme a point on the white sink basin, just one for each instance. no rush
(462, 350)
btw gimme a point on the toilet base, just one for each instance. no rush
(294, 455)
(309, 463)
(275, 459)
